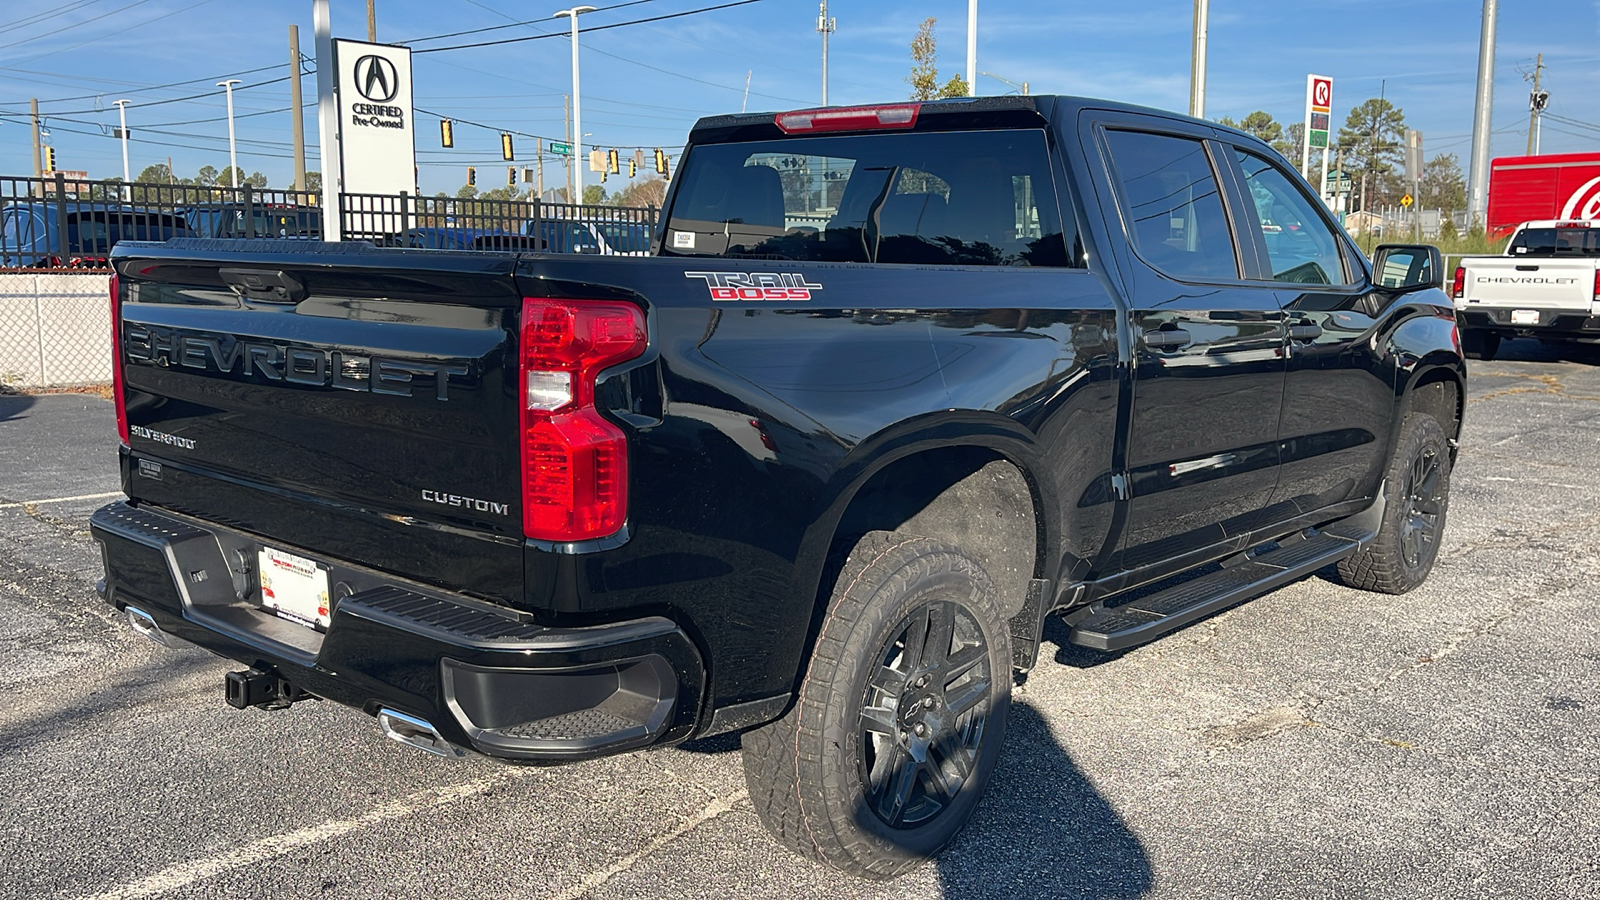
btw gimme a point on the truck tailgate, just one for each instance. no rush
(322, 401)
(1566, 284)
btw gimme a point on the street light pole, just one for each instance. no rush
(1197, 60)
(577, 114)
(1023, 87)
(122, 117)
(972, 48)
(233, 156)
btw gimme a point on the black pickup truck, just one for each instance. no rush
(898, 383)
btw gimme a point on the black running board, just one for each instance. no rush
(1147, 618)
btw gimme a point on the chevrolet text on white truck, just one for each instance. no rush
(1546, 285)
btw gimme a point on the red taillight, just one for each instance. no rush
(1458, 285)
(116, 360)
(1596, 286)
(574, 460)
(849, 118)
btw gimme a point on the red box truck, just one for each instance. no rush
(1554, 186)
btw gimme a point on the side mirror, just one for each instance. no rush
(1408, 266)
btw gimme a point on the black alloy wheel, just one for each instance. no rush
(1419, 533)
(924, 714)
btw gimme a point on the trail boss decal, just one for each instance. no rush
(756, 285)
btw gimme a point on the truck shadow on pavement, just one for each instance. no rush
(14, 404)
(1043, 830)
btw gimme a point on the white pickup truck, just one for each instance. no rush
(1546, 285)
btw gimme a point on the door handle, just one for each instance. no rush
(1170, 339)
(1304, 331)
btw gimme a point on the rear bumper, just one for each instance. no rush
(485, 677)
(1554, 323)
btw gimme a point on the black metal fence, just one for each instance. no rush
(453, 223)
(64, 222)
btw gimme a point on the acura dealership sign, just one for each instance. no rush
(376, 152)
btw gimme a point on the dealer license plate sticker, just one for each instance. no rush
(1524, 317)
(294, 587)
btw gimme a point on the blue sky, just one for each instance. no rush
(644, 85)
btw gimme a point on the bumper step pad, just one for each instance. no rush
(1147, 618)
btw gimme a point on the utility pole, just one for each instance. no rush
(372, 22)
(539, 146)
(1197, 60)
(1536, 102)
(38, 152)
(577, 103)
(567, 101)
(297, 109)
(1478, 178)
(825, 26)
(972, 48)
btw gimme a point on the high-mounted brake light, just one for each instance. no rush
(574, 460)
(116, 360)
(849, 118)
(1458, 285)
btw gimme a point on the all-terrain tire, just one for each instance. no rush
(1416, 495)
(913, 660)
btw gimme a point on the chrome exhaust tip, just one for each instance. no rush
(415, 732)
(145, 624)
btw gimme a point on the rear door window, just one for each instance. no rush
(1174, 206)
(1301, 248)
(982, 198)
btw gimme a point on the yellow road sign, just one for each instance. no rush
(1407, 200)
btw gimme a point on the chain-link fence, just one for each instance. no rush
(55, 329)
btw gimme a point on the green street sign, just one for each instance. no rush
(560, 149)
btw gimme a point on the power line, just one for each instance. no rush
(589, 30)
(38, 17)
(513, 24)
(139, 90)
(75, 24)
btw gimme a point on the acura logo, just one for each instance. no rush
(376, 79)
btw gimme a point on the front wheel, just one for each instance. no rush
(1416, 494)
(900, 718)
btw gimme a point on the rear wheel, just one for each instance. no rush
(1416, 498)
(1479, 344)
(900, 718)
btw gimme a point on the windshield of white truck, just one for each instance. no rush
(1555, 242)
(983, 198)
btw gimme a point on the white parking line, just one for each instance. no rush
(105, 496)
(182, 875)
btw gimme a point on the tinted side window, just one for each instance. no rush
(982, 198)
(1301, 248)
(1174, 204)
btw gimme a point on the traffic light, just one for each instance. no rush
(472, 176)
(633, 167)
(613, 163)
(511, 176)
(661, 162)
(447, 133)
(505, 146)
(49, 159)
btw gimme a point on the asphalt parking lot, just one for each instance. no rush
(1316, 742)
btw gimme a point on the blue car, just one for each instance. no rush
(30, 232)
